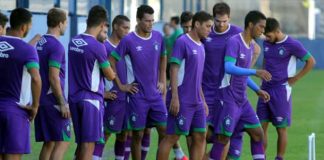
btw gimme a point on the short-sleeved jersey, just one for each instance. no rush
(86, 57)
(281, 58)
(121, 71)
(51, 53)
(190, 55)
(241, 53)
(145, 54)
(214, 69)
(16, 57)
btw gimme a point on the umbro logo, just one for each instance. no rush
(266, 49)
(139, 48)
(242, 56)
(79, 42)
(42, 41)
(194, 51)
(208, 39)
(5, 46)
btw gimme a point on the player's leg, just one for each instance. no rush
(236, 142)
(59, 150)
(128, 145)
(165, 146)
(46, 150)
(281, 143)
(264, 114)
(178, 152)
(146, 140)
(120, 145)
(265, 126)
(12, 156)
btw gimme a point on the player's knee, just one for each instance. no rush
(282, 131)
(121, 137)
(49, 145)
(257, 135)
(137, 136)
(222, 139)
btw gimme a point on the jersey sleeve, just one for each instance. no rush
(231, 50)
(178, 52)
(121, 50)
(101, 56)
(163, 48)
(300, 52)
(56, 56)
(31, 59)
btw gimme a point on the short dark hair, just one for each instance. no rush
(176, 19)
(3, 19)
(119, 19)
(254, 17)
(96, 16)
(141, 10)
(19, 17)
(201, 17)
(185, 17)
(55, 16)
(271, 25)
(221, 8)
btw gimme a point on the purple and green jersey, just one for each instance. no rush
(280, 60)
(51, 53)
(144, 55)
(215, 45)
(234, 86)
(190, 55)
(16, 57)
(86, 57)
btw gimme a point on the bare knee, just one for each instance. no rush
(222, 139)
(256, 134)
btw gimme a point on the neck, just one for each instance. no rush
(15, 33)
(54, 31)
(92, 31)
(193, 34)
(142, 33)
(281, 36)
(219, 30)
(247, 36)
(114, 39)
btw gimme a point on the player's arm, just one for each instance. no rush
(261, 93)
(231, 68)
(107, 71)
(162, 75)
(256, 53)
(310, 62)
(35, 39)
(175, 105)
(36, 84)
(131, 88)
(204, 101)
(55, 83)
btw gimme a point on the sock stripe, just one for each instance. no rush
(258, 156)
(145, 148)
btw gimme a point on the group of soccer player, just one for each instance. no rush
(118, 85)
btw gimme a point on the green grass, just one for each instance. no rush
(308, 110)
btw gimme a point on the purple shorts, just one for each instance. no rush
(145, 113)
(51, 126)
(214, 110)
(232, 115)
(14, 133)
(115, 116)
(278, 109)
(87, 118)
(191, 118)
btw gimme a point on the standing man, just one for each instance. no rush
(19, 77)
(88, 66)
(280, 56)
(115, 116)
(236, 109)
(188, 109)
(52, 124)
(146, 50)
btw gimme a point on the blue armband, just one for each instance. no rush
(231, 68)
(252, 85)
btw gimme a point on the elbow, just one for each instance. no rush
(111, 76)
(36, 79)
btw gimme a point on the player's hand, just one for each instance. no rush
(111, 95)
(174, 106)
(264, 95)
(161, 87)
(35, 39)
(263, 74)
(32, 111)
(292, 81)
(65, 110)
(206, 109)
(130, 88)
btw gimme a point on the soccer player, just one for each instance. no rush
(88, 65)
(115, 116)
(186, 21)
(3, 22)
(20, 80)
(280, 56)
(52, 124)
(146, 50)
(188, 109)
(236, 109)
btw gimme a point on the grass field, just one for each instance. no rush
(308, 116)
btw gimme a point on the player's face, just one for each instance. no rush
(26, 28)
(271, 37)
(258, 29)
(187, 26)
(62, 27)
(122, 29)
(167, 30)
(204, 28)
(2, 30)
(221, 22)
(103, 33)
(146, 23)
